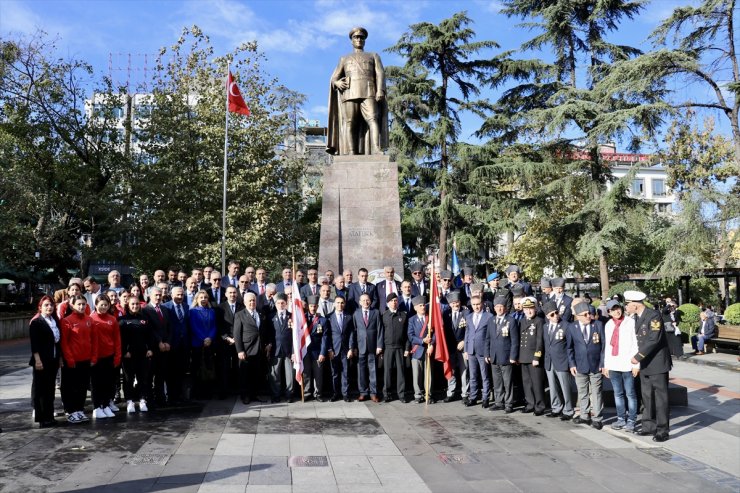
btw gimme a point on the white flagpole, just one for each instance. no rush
(226, 171)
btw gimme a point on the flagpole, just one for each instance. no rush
(296, 355)
(226, 172)
(428, 369)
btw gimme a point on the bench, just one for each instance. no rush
(727, 336)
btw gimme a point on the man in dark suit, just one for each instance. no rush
(232, 277)
(312, 287)
(386, 287)
(502, 352)
(162, 336)
(359, 288)
(419, 284)
(546, 288)
(561, 300)
(244, 287)
(585, 340)
(259, 286)
(280, 349)
(706, 332)
(514, 278)
(556, 365)
(341, 340)
(531, 346)
(216, 293)
(465, 289)
(445, 287)
(287, 280)
(404, 299)
(227, 362)
(421, 344)
(475, 350)
(369, 347)
(655, 363)
(454, 324)
(266, 302)
(325, 305)
(395, 347)
(316, 351)
(179, 357)
(247, 324)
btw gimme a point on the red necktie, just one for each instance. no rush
(364, 317)
(615, 337)
(159, 312)
(262, 289)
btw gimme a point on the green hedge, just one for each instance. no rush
(689, 318)
(732, 314)
(621, 287)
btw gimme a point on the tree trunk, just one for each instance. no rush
(442, 237)
(604, 276)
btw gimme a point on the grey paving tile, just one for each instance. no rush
(99, 470)
(491, 486)
(378, 445)
(311, 488)
(222, 488)
(273, 488)
(270, 471)
(317, 476)
(354, 469)
(185, 469)
(342, 445)
(307, 445)
(199, 443)
(272, 445)
(235, 444)
(130, 472)
(228, 469)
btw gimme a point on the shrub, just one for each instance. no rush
(621, 287)
(732, 314)
(689, 314)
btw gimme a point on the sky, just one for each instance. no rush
(302, 39)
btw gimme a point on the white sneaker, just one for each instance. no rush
(82, 416)
(99, 413)
(73, 418)
(112, 406)
(142, 406)
(130, 407)
(108, 412)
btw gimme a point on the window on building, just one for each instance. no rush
(99, 111)
(638, 187)
(659, 189)
(664, 208)
(143, 111)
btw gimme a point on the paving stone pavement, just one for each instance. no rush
(225, 446)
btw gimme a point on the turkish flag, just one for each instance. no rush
(441, 352)
(236, 101)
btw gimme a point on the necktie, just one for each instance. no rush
(313, 289)
(585, 333)
(326, 307)
(391, 287)
(178, 310)
(476, 319)
(341, 320)
(233, 309)
(552, 329)
(262, 289)
(256, 319)
(159, 312)
(363, 289)
(454, 319)
(500, 320)
(364, 316)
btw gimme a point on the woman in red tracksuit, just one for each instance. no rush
(79, 353)
(108, 350)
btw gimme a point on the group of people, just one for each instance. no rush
(180, 336)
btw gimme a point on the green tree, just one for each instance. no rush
(439, 81)
(555, 118)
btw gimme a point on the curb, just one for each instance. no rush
(725, 365)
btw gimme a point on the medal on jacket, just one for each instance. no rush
(559, 335)
(505, 330)
(595, 337)
(315, 323)
(531, 329)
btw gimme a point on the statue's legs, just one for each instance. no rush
(351, 114)
(370, 114)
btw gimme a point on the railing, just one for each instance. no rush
(14, 326)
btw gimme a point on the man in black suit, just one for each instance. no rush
(404, 299)
(287, 280)
(246, 336)
(340, 342)
(420, 285)
(395, 347)
(316, 351)
(266, 302)
(386, 287)
(454, 327)
(359, 288)
(312, 287)
(179, 354)
(369, 346)
(227, 362)
(280, 350)
(655, 363)
(162, 336)
(232, 278)
(216, 294)
(259, 286)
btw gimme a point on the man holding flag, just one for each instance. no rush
(301, 337)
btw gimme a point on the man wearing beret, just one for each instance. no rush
(316, 352)
(514, 278)
(502, 352)
(494, 285)
(467, 278)
(546, 288)
(530, 356)
(455, 325)
(562, 300)
(419, 285)
(280, 340)
(655, 363)
(556, 363)
(586, 360)
(395, 347)
(421, 344)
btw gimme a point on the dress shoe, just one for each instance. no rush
(449, 398)
(471, 403)
(275, 400)
(660, 438)
(698, 353)
(320, 399)
(539, 413)
(362, 398)
(552, 415)
(485, 404)
(47, 424)
(644, 433)
(374, 398)
(420, 400)
(565, 417)
(496, 407)
(405, 400)
(289, 399)
(597, 424)
(525, 410)
(580, 421)
(246, 400)
(509, 410)
(334, 398)
(347, 399)
(388, 398)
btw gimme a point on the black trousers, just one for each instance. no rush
(42, 391)
(393, 357)
(533, 381)
(102, 380)
(179, 363)
(137, 368)
(74, 386)
(654, 389)
(160, 363)
(227, 367)
(249, 377)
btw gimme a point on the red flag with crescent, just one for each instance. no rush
(236, 101)
(441, 353)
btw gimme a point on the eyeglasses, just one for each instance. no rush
(215, 279)
(553, 314)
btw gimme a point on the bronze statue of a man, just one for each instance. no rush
(358, 111)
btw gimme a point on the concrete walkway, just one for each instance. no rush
(224, 446)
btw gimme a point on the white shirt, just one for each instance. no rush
(627, 346)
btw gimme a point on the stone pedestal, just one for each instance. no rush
(361, 215)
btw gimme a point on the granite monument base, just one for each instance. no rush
(361, 215)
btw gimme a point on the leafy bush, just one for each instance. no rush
(689, 318)
(732, 314)
(621, 287)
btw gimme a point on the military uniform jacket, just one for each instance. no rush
(564, 307)
(502, 340)
(586, 354)
(530, 340)
(280, 336)
(652, 345)
(556, 346)
(317, 327)
(395, 335)
(475, 337)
